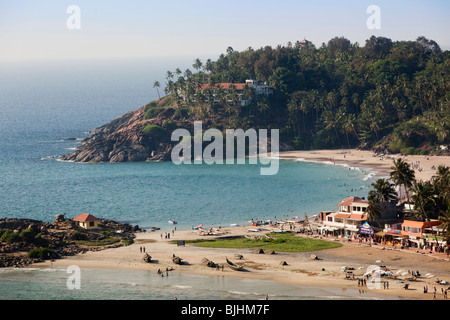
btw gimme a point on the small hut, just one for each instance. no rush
(87, 221)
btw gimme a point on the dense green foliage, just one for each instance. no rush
(154, 131)
(41, 253)
(390, 94)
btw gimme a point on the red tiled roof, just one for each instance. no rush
(420, 224)
(342, 215)
(225, 86)
(85, 217)
(350, 200)
(358, 216)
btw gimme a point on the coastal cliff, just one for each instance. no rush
(122, 140)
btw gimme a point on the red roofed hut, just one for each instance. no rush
(87, 221)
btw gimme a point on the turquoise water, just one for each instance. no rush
(42, 105)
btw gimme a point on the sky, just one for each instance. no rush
(38, 29)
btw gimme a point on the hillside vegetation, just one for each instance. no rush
(385, 95)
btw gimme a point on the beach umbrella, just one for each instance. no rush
(379, 261)
(404, 273)
(428, 274)
(398, 272)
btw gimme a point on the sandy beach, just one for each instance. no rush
(367, 160)
(301, 269)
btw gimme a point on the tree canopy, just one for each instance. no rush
(392, 95)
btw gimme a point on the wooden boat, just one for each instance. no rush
(209, 263)
(176, 260)
(172, 222)
(147, 258)
(234, 266)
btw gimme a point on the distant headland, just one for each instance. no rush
(388, 96)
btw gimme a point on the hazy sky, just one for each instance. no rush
(37, 29)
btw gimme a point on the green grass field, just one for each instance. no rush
(281, 242)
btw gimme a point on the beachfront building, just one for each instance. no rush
(422, 233)
(257, 86)
(87, 221)
(348, 219)
(351, 219)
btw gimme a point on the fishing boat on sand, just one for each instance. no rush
(208, 263)
(176, 260)
(234, 266)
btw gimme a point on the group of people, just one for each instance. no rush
(167, 272)
(443, 292)
(416, 165)
(167, 234)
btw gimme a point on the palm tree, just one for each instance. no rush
(383, 191)
(402, 175)
(445, 219)
(374, 209)
(423, 198)
(157, 85)
(197, 64)
(441, 186)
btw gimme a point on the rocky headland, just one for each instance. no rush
(27, 241)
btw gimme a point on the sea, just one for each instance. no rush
(48, 107)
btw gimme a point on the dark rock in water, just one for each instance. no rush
(71, 139)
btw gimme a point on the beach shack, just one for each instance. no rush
(87, 221)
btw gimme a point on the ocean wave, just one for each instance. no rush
(178, 286)
(369, 176)
(244, 293)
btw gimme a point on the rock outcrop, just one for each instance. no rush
(122, 140)
(131, 138)
(55, 236)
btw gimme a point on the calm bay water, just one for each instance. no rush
(42, 105)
